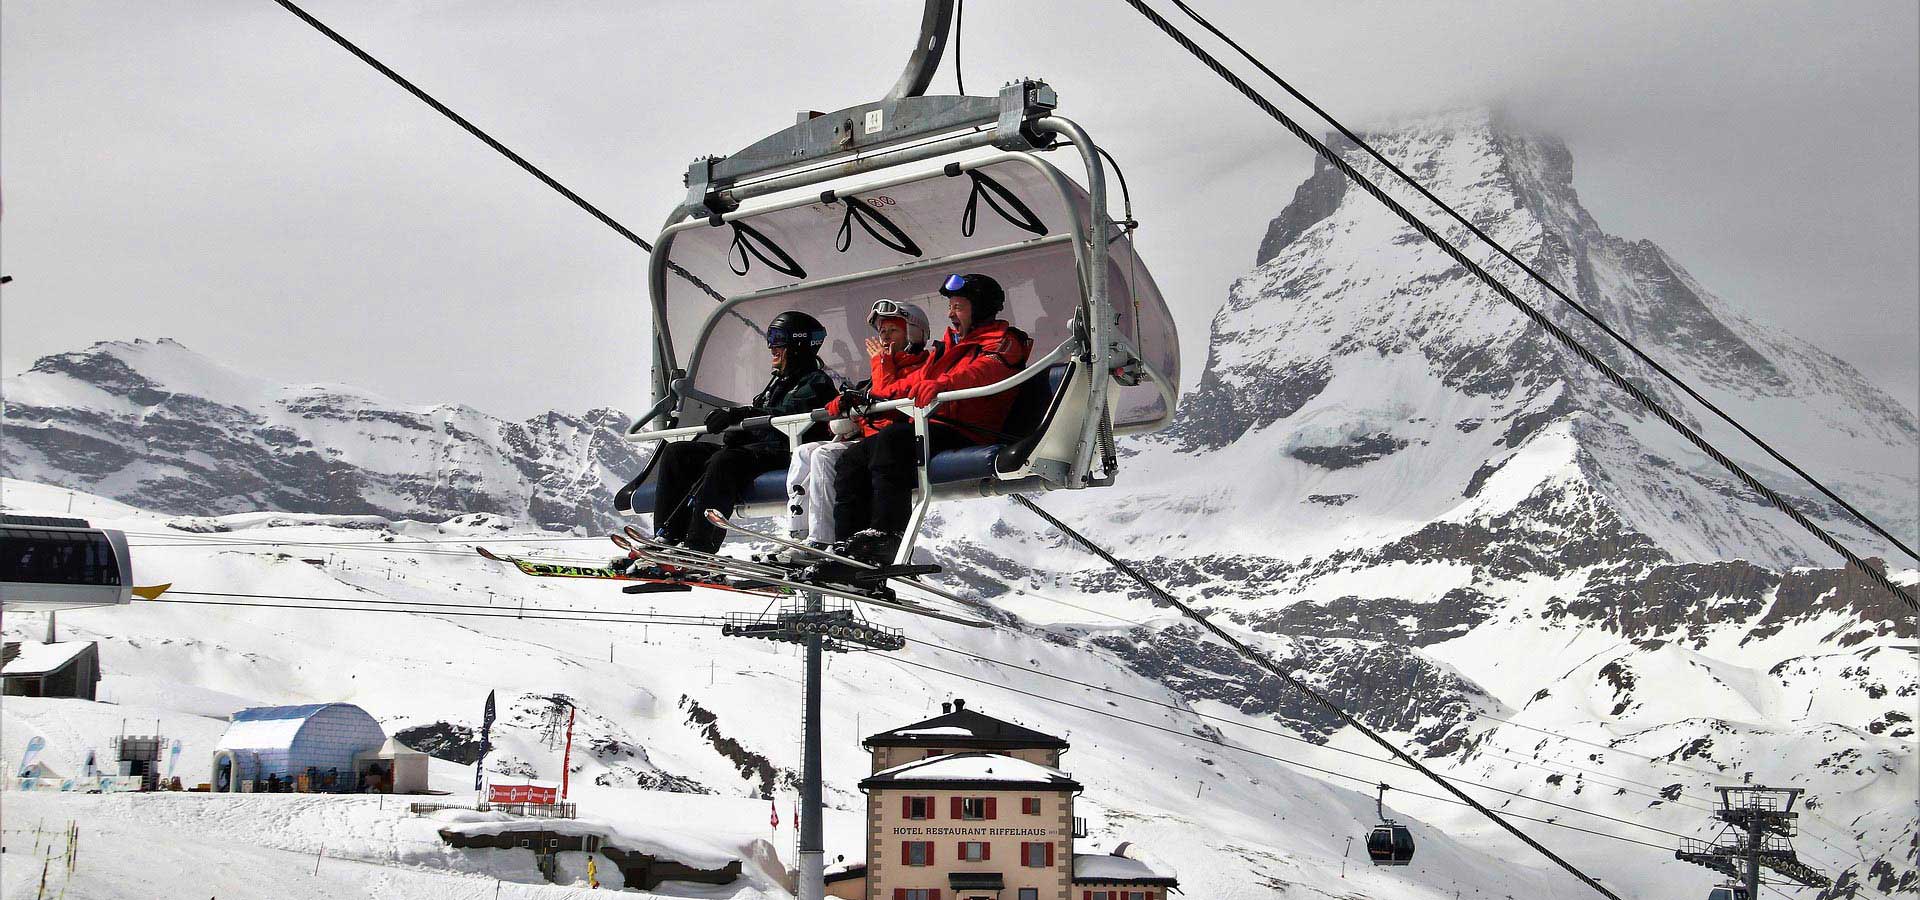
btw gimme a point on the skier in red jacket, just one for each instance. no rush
(874, 485)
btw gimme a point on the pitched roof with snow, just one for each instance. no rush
(1106, 868)
(40, 659)
(966, 728)
(971, 770)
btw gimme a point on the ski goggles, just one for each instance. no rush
(954, 285)
(885, 309)
(787, 337)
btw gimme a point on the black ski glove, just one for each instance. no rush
(721, 419)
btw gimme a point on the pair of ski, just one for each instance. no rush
(681, 569)
(643, 583)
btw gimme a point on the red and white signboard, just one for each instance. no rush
(523, 793)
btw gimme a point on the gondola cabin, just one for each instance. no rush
(1390, 844)
(49, 563)
(970, 189)
(1728, 892)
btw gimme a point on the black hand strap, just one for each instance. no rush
(1003, 201)
(869, 217)
(748, 240)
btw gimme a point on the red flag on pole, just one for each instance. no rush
(775, 810)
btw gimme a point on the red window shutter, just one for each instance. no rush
(1086, 895)
(986, 850)
(990, 805)
(906, 853)
(899, 894)
(929, 852)
(1049, 853)
(906, 807)
(956, 807)
(933, 894)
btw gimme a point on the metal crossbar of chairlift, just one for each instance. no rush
(836, 622)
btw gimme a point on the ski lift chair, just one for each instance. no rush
(966, 190)
(50, 563)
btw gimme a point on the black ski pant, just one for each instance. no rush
(873, 486)
(695, 476)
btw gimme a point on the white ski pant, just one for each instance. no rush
(810, 490)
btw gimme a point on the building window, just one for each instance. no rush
(1136, 895)
(916, 894)
(1029, 894)
(1029, 806)
(975, 851)
(1036, 854)
(973, 807)
(916, 807)
(916, 853)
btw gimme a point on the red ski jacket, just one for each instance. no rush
(889, 371)
(993, 351)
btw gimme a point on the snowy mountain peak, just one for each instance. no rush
(155, 423)
(1355, 339)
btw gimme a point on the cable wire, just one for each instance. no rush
(1262, 660)
(1252, 752)
(489, 140)
(1586, 313)
(1567, 340)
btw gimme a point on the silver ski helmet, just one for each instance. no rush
(918, 328)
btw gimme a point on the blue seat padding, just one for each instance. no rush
(952, 465)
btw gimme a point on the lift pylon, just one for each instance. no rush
(1757, 834)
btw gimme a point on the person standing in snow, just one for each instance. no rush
(895, 352)
(873, 490)
(695, 476)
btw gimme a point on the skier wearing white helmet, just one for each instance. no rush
(895, 351)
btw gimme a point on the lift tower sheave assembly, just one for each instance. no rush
(1757, 834)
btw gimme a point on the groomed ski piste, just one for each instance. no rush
(683, 706)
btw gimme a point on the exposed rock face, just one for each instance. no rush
(157, 425)
(1424, 506)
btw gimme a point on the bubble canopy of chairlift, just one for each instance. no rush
(909, 235)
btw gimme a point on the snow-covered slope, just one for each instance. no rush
(715, 719)
(1434, 514)
(157, 424)
(1446, 521)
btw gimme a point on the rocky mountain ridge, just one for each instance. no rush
(156, 424)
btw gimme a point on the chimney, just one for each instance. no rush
(50, 627)
(959, 704)
(946, 708)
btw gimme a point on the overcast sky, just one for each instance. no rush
(217, 172)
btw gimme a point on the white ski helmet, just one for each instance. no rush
(917, 328)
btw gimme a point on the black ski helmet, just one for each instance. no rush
(796, 330)
(981, 290)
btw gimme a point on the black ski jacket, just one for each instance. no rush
(786, 393)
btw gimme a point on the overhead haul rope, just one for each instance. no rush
(1250, 751)
(1567, 340)
(1264, 662)
(488, 139)
(1542, 279)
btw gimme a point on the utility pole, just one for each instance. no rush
(812, 845)
(1758, 832)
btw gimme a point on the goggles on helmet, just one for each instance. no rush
(885, 309)
(783, 337)
(954, 285)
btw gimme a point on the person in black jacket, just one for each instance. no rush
(695, 476)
